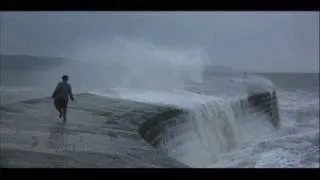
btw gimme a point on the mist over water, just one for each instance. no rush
(141, 64)
(117, 63)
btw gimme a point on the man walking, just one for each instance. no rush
(61, 97)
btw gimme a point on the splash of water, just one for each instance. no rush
(142, 71)
(217, 131)
(255, 84)
(141, 64)
(210, 129)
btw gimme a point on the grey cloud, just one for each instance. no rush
(271, 41)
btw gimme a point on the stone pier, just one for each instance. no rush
(99, 133)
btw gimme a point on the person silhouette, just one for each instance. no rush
(61, 95)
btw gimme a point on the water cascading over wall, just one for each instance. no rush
(205, 129)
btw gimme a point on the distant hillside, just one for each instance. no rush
(28, 63)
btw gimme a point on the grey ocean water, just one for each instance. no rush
(251, 142)
(296, 143)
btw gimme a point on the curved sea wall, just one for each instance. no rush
(184, 139)
(114, 133)
(268, 103)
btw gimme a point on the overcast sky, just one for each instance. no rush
(259, 41)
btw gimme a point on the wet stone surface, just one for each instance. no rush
(99, 133)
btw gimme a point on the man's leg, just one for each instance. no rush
(64, 114)
(60, 113)
(58, 107)
(64, 107)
